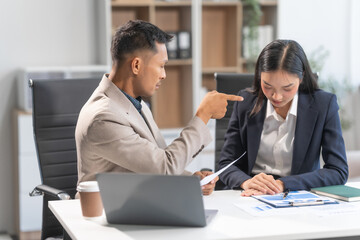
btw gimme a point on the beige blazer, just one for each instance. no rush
(111, 136)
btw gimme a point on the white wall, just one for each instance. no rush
(334, 24)
(39, 33)
(354, 41)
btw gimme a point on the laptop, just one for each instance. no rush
(146, 199)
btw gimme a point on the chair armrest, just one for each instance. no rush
(47, 190)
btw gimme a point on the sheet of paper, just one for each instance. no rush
(257, 209)
(261, 209)
(334, 209)
(208, 179)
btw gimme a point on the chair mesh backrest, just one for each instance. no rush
(230, 83)
(56, 106)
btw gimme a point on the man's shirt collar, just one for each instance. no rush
(135, 101)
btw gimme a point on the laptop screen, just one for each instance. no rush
(146, 199)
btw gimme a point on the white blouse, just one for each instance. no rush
(277, 140)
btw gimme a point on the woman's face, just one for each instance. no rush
(280, 88)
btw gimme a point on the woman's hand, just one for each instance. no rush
(208, 188)
(262, 184)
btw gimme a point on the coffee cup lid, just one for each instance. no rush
(88, 186)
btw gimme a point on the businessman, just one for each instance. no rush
(116, 131)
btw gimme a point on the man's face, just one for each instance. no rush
(152, 71)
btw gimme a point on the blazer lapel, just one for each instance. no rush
(138, 122)
(153, 126)
(129, 110)
(305, 124)
(254, 130)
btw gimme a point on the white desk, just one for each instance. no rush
(231, 222)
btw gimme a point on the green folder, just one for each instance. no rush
(341, 192)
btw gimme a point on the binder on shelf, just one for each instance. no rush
(184, 39)
(172, 46)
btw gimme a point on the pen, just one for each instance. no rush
(286, 193)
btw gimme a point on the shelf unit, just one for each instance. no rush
(221, 39)
(219, 45)
(171, 102)
(222, 22)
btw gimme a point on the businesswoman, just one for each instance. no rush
(283, 124)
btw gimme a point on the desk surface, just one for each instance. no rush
(231, 222)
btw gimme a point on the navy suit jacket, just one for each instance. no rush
(317, 129)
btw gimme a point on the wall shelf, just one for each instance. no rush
(175, 62)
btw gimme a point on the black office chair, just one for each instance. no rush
(56, 106)
(230, 83)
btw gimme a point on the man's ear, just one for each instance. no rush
(135, 65)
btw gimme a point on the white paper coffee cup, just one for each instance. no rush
(90, 199)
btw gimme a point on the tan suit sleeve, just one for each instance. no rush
(120, 144)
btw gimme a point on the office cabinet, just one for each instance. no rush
(28, 210)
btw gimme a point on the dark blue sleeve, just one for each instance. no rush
(234, 146)
(335, 169)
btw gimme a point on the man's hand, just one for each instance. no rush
(208, 188)
(214, 105)
(262, 184)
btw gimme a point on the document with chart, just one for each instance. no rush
(295, 199)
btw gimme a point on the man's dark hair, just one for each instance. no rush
(136, 35)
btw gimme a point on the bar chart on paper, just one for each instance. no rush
(293, 199)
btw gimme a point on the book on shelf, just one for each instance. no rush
(342, 192)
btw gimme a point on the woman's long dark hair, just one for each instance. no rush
(286, 55)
